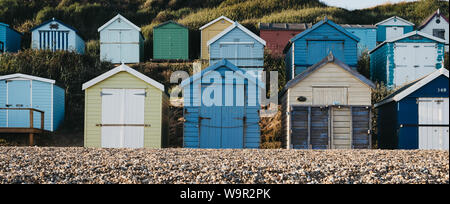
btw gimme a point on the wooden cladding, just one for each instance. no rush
(330, 127)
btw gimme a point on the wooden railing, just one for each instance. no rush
(31, 110)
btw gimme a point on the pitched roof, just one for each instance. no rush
(427, 20)
(328, 59)
(26, 76)
(408, 35)
(222, 63)
(168, 22)
(215, 20)
(412, 87)
(230, 28)
(6, 25)
(60, 22)
(284, 26)
(117, 17)
(395, 17)
(123, 68)
(317, 25)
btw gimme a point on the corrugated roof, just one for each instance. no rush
(284, 26)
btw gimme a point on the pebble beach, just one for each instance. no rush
(203, 166)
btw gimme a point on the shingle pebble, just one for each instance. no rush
(191, 166)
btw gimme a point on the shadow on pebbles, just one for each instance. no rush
(90, 165)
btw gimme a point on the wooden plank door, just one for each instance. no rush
(123, 118)
(433, 123)
(361, 128)
(19, 96)
(341, 128)
(134, 117)
(319, 128)
(300, 127)
(113, 112)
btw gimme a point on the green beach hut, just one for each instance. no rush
(125, 109)
(171, 41)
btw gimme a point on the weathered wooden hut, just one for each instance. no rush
(170, 41)
(125, 109)
(55, 35)
(367, 35)
(436, 25)
(312, 45)
(328, 106)
(210, 30)
(121, 41)
(401, 60)
(416, 115)
(30, 104)
(9, 39)
(238, 45)
(277, 35)
(393, 27)
(230, 118)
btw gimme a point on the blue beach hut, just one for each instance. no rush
(21, 93)
(55, 35)
(314, 44)
(221, 111)
(9, 39)
(416, 116)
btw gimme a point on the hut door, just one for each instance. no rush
(210, 125)
(19, 96)
(433, 123)
(122, 118)
(341, 128)
(318, 49)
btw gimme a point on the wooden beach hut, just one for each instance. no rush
(328, 106)
(210, 30)
(170, 41)
(416, 115)
(9, 39)
(125, 109)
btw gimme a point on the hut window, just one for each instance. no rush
(438, 21)
(222, 21)
(440, 33)
(2, 47)
(301, 99)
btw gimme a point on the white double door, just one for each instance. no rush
(433, 123)
(123, 118)
(413, 61)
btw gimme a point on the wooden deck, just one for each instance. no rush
(30, 130)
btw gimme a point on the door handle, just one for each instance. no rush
(202, 118)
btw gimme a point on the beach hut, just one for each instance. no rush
(367, 35)
(416, 115)
(238, 45)
(312, 45)
(393, 27)
(121, 41)
(221, 108)
(328, 106)
(55, 35)
(30, 104)
(436, 25)
(210, 30)
(9, 39)
(125, 109)
(171, 41)
(401, 60)
(277, 35)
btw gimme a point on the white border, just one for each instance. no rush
(115, 18)
(215, 20)
(230, 28)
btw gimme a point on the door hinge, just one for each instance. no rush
(141, 94)
(105, 94)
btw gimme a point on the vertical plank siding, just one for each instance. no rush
(10, 38)
(170, 41)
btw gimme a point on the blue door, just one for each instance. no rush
(210, 121)
(19, 97)
(222, 126)
(319, 49)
